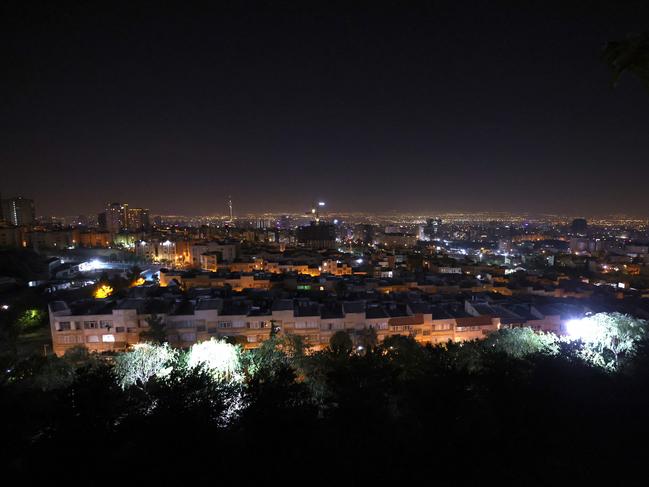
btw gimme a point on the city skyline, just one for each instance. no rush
(324, 242)
(435, 107)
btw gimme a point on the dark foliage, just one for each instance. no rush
(397, 413)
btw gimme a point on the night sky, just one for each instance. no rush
(455, 106)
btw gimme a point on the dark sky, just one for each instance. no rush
(452, 106)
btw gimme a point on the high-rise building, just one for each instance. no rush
(18, 211)
(579, 226)
(432, 227)
(119, 217)
(115, 219)
(137, 219)
(318, 235)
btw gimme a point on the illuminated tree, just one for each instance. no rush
(221, 359)
(144, 361)
(519, 342)
(31, 318)
(608, 338)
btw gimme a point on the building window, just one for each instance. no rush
(224, 324)
(92, 338)
(105, 324)
(200, 328)
(119, 329)
(211, 330)
(131, 329)
(90, 325)
(108, 338)
(64, 326)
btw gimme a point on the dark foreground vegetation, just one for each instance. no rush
(518, 408)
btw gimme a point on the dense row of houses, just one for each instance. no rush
(103, 325)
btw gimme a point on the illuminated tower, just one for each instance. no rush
(230, 207)
(315, 211)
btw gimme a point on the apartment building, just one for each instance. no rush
(104, 325)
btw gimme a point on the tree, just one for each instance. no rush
(157, 332)
(220, 359)
(519, 342)
(631, 54)
(144, 361)
(367, 338)
(133, 274)
(341, 288)
(341, 343)
(31, 318)
(274, 329)
(609, 338)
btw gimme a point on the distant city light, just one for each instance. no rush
(321, 203)
(5, 307)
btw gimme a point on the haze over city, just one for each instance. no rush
(434, 108)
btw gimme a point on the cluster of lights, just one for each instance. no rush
(92, 265)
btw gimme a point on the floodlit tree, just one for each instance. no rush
(609, 338)
(341, 343)
(221, 359)
(519, 342)
(157, 332)
(144, 361)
